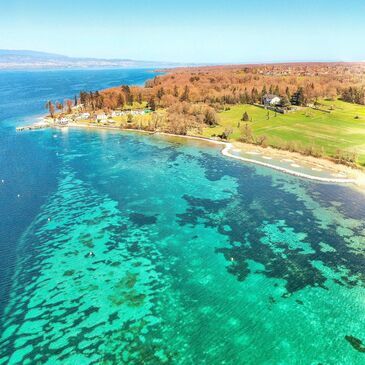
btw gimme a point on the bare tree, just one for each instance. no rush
(50, 107)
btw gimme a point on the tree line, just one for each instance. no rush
(354, 94)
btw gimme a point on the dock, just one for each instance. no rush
(31, 127)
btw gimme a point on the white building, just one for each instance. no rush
(117, 113)
(271, 99)
(77, 107)
(101, 117)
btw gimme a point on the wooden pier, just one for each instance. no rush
(31, 127)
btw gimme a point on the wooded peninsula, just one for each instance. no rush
(315, 109)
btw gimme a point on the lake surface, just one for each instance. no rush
(196, 258)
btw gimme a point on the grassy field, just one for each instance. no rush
(135, 105)
(343, 128)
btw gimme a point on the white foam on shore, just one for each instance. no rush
(226, 152)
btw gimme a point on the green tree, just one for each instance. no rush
(245, 117)
(284, 101)
(254, 95)
(227, 133)
(263, 91)
(298, 98)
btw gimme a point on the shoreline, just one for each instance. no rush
(354, 176)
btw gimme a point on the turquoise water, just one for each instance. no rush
(136, 249)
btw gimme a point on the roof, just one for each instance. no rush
(270, 96)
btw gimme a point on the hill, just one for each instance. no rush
(26, 59)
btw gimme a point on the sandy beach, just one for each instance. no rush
(356, 176)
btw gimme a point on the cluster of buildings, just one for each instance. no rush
(100, 117)
(103, 117)
(120, 113)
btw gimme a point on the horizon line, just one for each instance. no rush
(196, 63)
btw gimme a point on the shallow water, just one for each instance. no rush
(133, 249)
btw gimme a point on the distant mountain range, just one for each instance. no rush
(24, 59)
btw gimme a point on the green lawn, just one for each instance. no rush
(324, 131)
(135, 105)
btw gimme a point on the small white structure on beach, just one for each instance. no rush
(271, 99)
(85, 116)
(101, 117)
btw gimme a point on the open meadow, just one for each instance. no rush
(336, 126)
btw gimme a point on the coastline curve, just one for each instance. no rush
(227, 146)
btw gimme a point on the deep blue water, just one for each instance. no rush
(197, 259)
(27, 165)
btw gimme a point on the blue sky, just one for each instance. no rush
(189, 30)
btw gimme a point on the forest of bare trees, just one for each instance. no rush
(193, 96)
